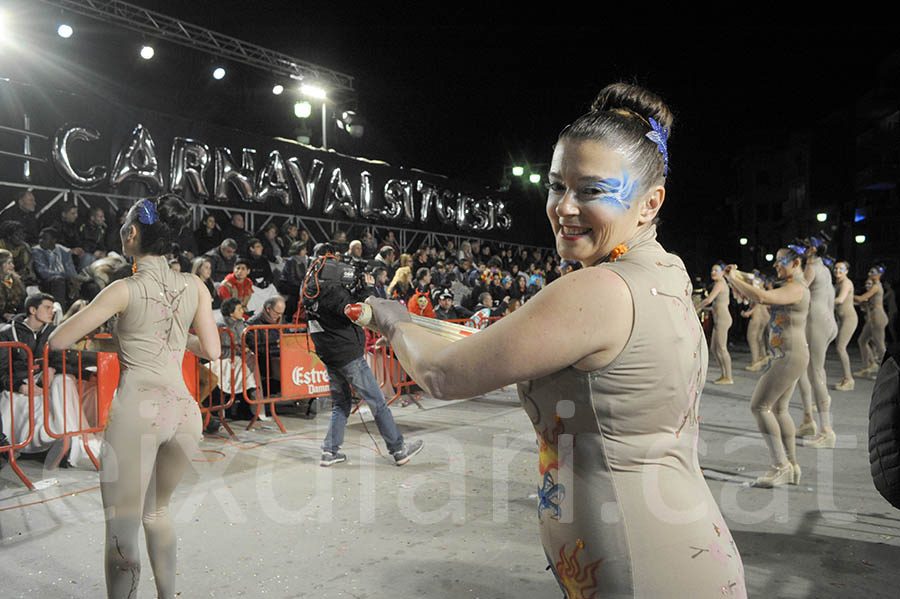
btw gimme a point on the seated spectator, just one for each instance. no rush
(33, 328)
(12, 238)
(420, 303)
(23, 212)
(69, 228)
(235, 230)
(266, 344)
(230, 370)
(289, 234)
(401, 286)
(381, 281)
(260, 271)
(460, 291)
(291, 277)
(93, 237)
(202, 267)
(423, 279)
(370, 245)
(101, 273)
(12, 290)
(238, 283)
(307, 240)
(272, 249)
(54, 268)
(385, 259)
(208, 235)
(222, 259)
(487, 309)
(447, 311)
(355, 250)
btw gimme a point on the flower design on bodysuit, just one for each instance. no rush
(578, 580)
(549, 492)
(166, 306)
(778, 319)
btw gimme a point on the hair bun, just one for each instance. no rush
(636, 99)
(174, 213)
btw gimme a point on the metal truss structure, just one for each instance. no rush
(167, 28)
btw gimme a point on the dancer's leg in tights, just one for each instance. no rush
(819, 340)
(769, 405)
(843, 338)
(863, 341)
(806, 395)
(720, 347)
(137, 477)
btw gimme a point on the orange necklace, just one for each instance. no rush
(617, 252)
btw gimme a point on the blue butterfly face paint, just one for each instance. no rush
(618, 193)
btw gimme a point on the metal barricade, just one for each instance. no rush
(204, 378)
(12, 446)
(300, 374)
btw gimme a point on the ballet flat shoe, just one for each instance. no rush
(867, 371)
(795, 480)
(756, 366)
(821, 441)
(775, 477)
(723, 381)
(806, 429)
(847, 385)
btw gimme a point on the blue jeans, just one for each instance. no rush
(358, 374)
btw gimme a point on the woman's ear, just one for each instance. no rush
(653, 201)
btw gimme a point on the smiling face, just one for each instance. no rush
(592, 202)
(840, 271)
(785, 266)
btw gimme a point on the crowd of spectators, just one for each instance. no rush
(71, 252)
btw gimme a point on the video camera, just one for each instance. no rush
(327, 268)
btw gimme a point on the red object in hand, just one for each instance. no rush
(353, 311)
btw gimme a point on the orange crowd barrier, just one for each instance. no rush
(12, 446)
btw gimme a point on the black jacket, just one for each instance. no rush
(338, 341)
(884, 429)
(19, 331)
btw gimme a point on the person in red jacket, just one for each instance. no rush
(420, 304)
(238, 283)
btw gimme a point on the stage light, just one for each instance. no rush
(302, 110)
(821, 217)
(743, 241)
(518, 171)
(219, 73)
(534, 178)
(313, 91)
(860, 238)
(770, 257)
(65, 31)
(278, 89)
(147, 52)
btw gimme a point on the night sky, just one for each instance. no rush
(467, 93)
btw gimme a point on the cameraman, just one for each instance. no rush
(340, 345)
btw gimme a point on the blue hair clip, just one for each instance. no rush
(147, 213)
(660, 137)
(828, 261)
(815, 241)
(797, 249)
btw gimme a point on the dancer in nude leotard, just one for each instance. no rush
(876, 322)
(789, 304)
(720, 297)
(756, 329)
(821, 330)
(154, 424)
(847, 321)
(610, 361)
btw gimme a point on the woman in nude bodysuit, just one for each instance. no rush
(788, 304)
(872, 333)
(720, 297)
(154, 423)
(847, 321)
(610, 361)
(756, 329)
(821, 330)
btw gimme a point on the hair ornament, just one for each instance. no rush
(660, 136)
(880, 269)
(815, 241)
(147, 212)
(797, 249)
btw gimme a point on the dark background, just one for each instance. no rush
(466, 92)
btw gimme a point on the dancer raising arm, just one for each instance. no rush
(610, 361)
(756, 329)
(847, 320)
(155, 309)
(789, 305)
(720, 298)
(871, 338)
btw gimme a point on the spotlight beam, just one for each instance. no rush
(222, 46)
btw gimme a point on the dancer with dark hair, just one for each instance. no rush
(847, 320)
(876, 322)
(821, 330)
(610, 361)
(720, 298)
(789, 305)
(154, 423)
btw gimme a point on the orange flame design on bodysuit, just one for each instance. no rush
(577, 580)
(548, 453)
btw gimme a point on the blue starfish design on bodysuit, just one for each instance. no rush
(546, 495)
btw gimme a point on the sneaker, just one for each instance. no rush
(330, 459)
(402, 455)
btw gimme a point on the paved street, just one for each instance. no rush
(260, 518)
